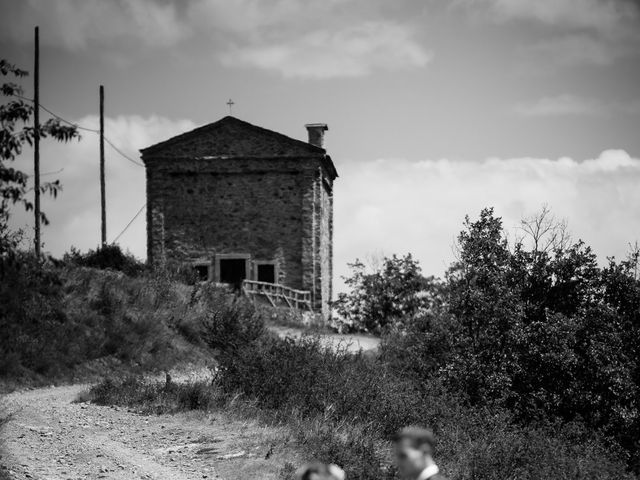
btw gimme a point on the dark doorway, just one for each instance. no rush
(267, 273)
(233, 271)
(202, 272)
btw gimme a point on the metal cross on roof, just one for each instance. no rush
(231, 104)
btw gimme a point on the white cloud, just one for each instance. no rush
(354, 51)
(565, 104)
(74, 24)
(397, 206)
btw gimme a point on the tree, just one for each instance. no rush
(16, 130)
(544, 233)
(394, 292)
(487, 308)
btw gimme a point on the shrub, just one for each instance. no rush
(106, 257)
(228, 322)
(155, 398)
(395, 292)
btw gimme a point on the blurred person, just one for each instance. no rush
(414, 448)
(320, 471)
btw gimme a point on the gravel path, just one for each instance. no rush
(50, 437)
(352, 342)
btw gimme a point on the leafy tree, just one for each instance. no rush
(394, 292)
(16, 131)
(487, 309)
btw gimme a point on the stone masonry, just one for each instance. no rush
(232, 191)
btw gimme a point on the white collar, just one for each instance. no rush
(428, 472)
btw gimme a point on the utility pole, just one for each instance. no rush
(36, 141)
(102, 193)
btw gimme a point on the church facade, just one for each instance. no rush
(237, 201)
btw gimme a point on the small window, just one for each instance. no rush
(202, 272)
(266, 272)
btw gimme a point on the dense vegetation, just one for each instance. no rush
(543, 331)
(523, 361)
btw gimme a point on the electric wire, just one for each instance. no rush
(86, 129)
(129, 224)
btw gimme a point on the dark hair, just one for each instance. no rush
(418, 436)
(306, 472)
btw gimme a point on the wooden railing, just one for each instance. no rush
(276, 293)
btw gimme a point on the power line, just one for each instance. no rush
(122, 153)
(129, 224)
(80, 127)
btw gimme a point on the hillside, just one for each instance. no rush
(72, 323)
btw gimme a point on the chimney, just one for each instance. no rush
(316, 133)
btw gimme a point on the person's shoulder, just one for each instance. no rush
(438, 476)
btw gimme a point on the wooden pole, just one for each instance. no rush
(36, 141)
(103, 203)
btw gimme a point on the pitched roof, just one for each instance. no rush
(231, 137)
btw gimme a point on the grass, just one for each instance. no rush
(66, 324)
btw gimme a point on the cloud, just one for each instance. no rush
(76, 24)
(600, 15)
(310, 39)
(574, 32)
(565, 104)
(324, 39)
(352, 52)
(573, 105)
(398, 206)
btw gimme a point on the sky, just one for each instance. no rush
(436, 109)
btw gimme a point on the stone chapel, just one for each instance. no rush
(237, 201)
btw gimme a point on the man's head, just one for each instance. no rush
(414, 449)
(319, 471)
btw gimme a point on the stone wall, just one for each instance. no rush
(326, 244)
(275, 209)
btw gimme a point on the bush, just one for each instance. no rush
(155, 398)
(228, 322)
(106, 257)
(395, 292)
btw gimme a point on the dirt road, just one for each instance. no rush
(50, 437)
(352, 342)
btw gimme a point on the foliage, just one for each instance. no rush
(154, 398)
(106, 257)
(543, 333)
(15, 132)
(395, 292)
(537, 328)
(227, 326)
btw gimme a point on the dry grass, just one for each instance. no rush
(77, 324)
